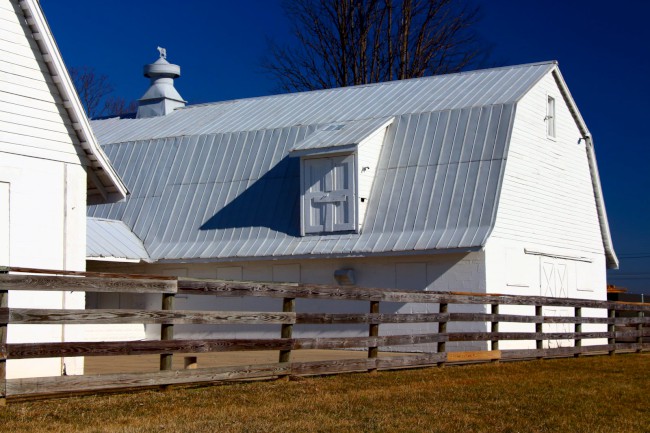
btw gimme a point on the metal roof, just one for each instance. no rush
(217, 181)
(341, 134)
(443, 92)
(113, 240)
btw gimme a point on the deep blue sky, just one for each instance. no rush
(602, 47)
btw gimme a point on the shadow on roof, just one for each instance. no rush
(272, 201)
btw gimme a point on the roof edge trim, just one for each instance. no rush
(325, 151)
(113, 259)
(610, 254)
(568, 98)
(47, 44)
(315, 256)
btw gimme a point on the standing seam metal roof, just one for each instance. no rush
(444, 92)
(113, 239)
(217, 181)
(341, 134)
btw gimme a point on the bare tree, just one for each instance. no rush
(92, 88)
(95, 90)
(116, 106)
(349, 42)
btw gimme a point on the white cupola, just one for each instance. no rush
(161, 98)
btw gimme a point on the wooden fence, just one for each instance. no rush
(611, 314)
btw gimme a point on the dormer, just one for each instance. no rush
(337, 168)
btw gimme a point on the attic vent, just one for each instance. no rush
(333, 127)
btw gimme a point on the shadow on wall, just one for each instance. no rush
(438, 273)
(273, 201)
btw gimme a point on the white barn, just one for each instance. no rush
(482, 181)
(50, 167)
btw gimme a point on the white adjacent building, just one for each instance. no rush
(50, 167)
(481, 181)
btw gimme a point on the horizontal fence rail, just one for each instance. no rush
(189, 286)
(619, 327)
(85, 284)
(111, 348)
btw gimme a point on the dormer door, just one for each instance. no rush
(329, 194)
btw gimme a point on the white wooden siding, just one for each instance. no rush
(75, 219)
(547, 204)
(42, 163)
(36, 228)
(547, 196)
(368, 157)
(35, 122)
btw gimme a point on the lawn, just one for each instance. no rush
(591, 394)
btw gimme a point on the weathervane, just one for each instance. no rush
(163, 52)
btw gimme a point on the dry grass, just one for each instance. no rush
(596, 394)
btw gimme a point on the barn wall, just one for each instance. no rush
(43, 187)
(513, 269)
(547, 195)
(46, 230)
(34, 121)
(546, 240)
(464, 272)
(369, 151)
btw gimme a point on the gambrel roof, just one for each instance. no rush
(218, 181)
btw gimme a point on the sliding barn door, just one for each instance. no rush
(555, 284)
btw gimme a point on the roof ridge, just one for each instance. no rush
(359, 86)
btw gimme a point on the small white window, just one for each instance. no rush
(550, 117)
(328, 194)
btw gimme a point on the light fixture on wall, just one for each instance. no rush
(344, 277)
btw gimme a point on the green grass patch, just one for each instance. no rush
(591, 394)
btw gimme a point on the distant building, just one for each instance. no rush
(50, 167)
(482, 181)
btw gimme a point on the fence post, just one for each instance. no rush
(373, 331)
(166, 331)
(4, 303)
(639, 330)
(442, 329)
(539, 313)
(288, 306)
(611, 329)
(494, 327)
(577, 329)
